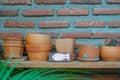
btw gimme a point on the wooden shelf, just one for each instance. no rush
(73, 64)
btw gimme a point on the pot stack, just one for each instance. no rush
(38, 46)
(13, 47)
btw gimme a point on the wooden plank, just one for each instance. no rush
(73, 64)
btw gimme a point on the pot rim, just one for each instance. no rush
(110, 46)
(38, 34)
(89, 45)
(20, 39)
(66, 39)
(14, 45)
(28, 45)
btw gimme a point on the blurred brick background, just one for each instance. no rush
(88, 21)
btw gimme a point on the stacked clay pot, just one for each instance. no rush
(13, 47)
(110, 53)
(66, 45)
(38, 46)
(89, 53)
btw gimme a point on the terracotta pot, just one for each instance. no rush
(74, 55)
(88, 59)
(110, 53)
(72, 58)
(38, 55)
(38, 39)
(13, 41)
(65, 45)
(33, 48)
(89, 51)
(112, 47)
(38, 52)
(13, 49)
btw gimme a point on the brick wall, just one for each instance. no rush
(88, 21)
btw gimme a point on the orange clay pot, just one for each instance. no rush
(13, 41)
(65, 45)
(33, 48)
(38, 39)
(38, 55)
(110, 53)
(89, 51)
(38, 52)
(13, 49)
(72, 58)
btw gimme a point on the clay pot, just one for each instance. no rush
(13, 41)
(65, 45)
(38, 52)
(89, 51)
(38, 39)
(110, 53)
(38, 55)
(72, 58)
(13, 49)
(33, 48)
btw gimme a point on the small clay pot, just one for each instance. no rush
(38, 56)
(38, 52)
(38, 39)
(65, 45)
(13, 49)
(110, 53)
(19, 41)
(72, 58)
(35, 48)
(89, 51)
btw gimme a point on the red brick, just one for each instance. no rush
(115, 23)
(12, 2)
(8, 12)
(19, 24)
(11, 35)
(72, 12)
(37, 12)
(50, 1)
(103, 35)
(113, 1)
(76, 35)
(90, 23)
(54, 24)
(85, 1)
(108, 11)
(105, 77)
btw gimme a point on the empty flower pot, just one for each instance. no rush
(13, 41)
(110, 53)
(72, 58)
(65, 45)
(38, 55)
(13, 49)
(89, 51)
(38, 52)
(38, 39)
